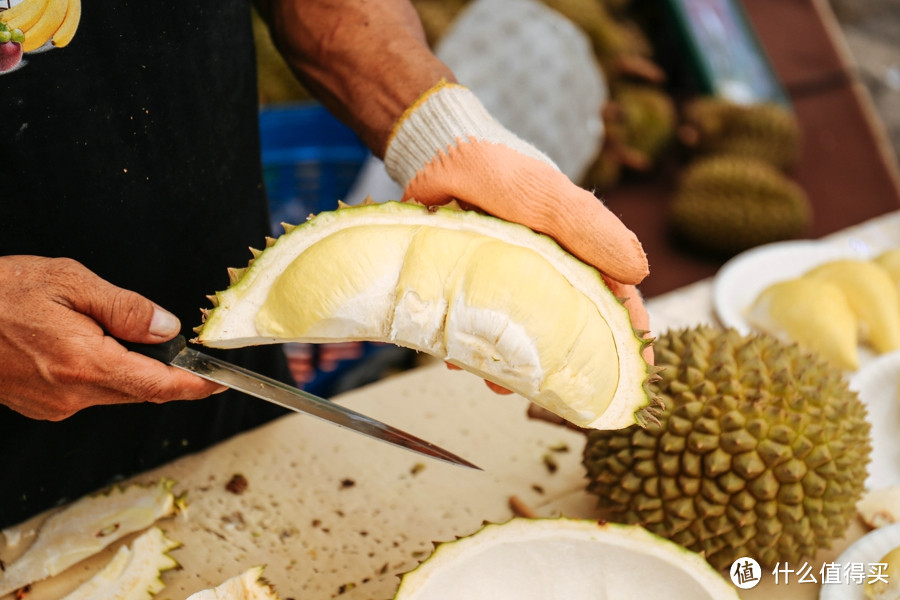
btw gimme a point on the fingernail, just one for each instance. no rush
(164, 323)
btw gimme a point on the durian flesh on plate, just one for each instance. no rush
(486, 295)
(562, 559)
(812, 312)
(832, 309)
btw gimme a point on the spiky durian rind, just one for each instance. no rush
(761, 450)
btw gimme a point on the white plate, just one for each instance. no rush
(744, 277)
(866, 550)
(878, 386)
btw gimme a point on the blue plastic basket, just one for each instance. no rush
(310, 160)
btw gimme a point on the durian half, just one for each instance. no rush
(489, 296)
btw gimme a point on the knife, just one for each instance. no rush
(176, 352)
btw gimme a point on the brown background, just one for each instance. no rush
(847, 167)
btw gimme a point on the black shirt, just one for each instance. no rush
(134, 150)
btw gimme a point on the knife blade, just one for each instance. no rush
(177, 353)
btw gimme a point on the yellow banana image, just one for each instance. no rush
(50, 20)
(24, 15)
(43, 20)
(66, 31)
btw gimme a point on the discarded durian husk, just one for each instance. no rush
(86, 527)
(249, 585)
(531, 558)
(879, 508)
(135, 572)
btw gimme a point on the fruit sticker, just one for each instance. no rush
(35, 25)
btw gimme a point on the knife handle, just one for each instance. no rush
(164, 351)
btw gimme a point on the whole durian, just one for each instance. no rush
(765, 131)
(727, 204)
(760, 450)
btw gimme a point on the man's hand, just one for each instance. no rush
(56, 353)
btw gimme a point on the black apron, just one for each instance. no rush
(134, 150)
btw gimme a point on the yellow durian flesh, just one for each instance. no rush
(872, 296)
(812, 312)
(489, 296)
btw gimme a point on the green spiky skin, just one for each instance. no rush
(760, 451)
(727, 204)
(764, 131)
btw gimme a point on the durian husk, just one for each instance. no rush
(537, 558)
(761, 451)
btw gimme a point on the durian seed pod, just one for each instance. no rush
(764, 131)
(760, 450)
(727, 204)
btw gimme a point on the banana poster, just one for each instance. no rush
(34, 26)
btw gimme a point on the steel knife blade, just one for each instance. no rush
(177, 353)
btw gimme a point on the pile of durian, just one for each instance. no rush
(836, 307)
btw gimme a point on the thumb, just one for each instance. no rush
(125, 314)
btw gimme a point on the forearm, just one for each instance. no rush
(366, 60)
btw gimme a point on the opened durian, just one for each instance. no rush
(249, 585)
(727, 204)
(562, 559)
(760, 451)
(489, 296)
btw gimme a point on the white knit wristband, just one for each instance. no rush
(446, 114)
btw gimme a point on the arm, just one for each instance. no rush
(366, 60)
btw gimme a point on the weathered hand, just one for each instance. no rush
(57, 356)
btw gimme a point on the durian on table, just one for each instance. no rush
(760, 451)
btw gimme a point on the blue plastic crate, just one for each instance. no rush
(310, 160)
